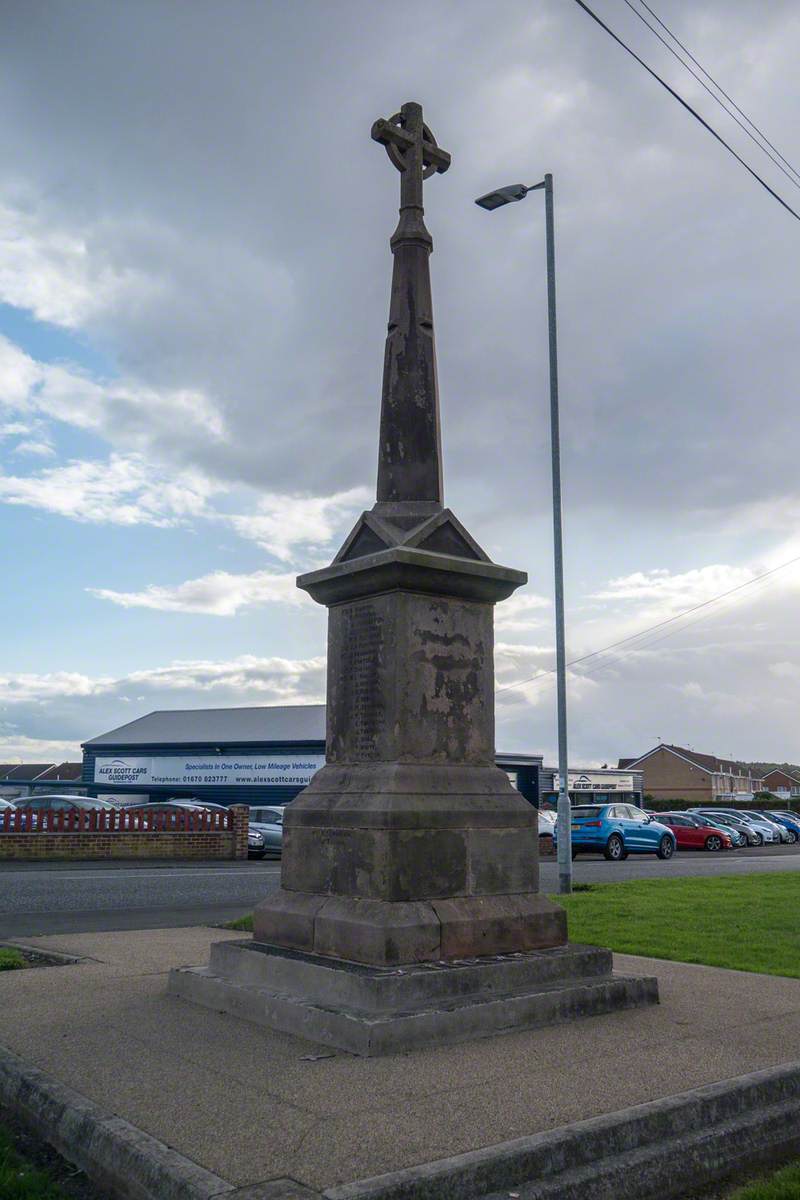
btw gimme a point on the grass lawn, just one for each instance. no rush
(10, 960)
(21, 1181)
(245, 923)
(783, 1185)
(745, 922)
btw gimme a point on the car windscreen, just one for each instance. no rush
(586, 810)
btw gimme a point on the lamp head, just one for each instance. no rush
(503, 195)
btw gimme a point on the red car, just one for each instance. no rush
(692, 834)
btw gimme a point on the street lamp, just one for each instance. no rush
(492, 200)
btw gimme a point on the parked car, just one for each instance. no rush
(785, 834)
(547, 820)
(767, 829)
(617, 830)
(754, 836)
(171, 807)
(58, 802)
(692, 833)
(737, 834)
(39, 806)
(265, 836)
(789, 819)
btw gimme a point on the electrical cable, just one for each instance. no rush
(719, 87)
(659, 625)
(685, 104)
(713, 95)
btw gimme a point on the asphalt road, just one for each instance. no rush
(38, 898)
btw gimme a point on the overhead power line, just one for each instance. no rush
(685, 104)
(772, 157)
(718, 86)
(653, 628)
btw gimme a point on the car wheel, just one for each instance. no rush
(758, 840)
(615, 848)
(791, 836)
(666, 847)
(713, 842)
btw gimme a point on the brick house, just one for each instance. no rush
(782, 784)
(675, 773)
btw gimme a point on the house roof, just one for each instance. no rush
(65, 770)
(706, 762)
(779, 774)
(204, 726)
(26, 771)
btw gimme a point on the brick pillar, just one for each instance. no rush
(241, 824)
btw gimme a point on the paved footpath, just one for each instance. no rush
(253, 1105)
(63, 897)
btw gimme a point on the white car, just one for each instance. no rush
(547, 822)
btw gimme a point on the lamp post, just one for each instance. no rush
(492, 200)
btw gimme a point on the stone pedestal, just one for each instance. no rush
(380, 1010)
(410, 845)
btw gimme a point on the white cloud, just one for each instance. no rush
(521, 612)
(25, 687)
(219, 594)
(283, 522)
(247, 673)
(124, 411)
(675, 591)
(41, 449)
(121, 491)
(53, 273)
(16, 747)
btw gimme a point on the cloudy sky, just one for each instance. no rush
(194, 278)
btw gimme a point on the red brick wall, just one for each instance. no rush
(222, 843)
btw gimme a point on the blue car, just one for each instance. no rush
(790, 821)
(617, 830)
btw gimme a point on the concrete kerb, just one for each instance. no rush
(125, 1161)
(660, 1149)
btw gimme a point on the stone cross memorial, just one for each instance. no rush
(409, 909)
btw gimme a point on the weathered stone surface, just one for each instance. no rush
(288, 918)
(371, 931)
(369, 1010)
(475, 925)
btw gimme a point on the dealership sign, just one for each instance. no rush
(268, 770)
(598, 781)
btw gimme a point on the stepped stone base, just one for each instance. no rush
(370, 1010)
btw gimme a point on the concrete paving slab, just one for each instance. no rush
(251, 1105)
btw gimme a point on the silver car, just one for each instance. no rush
(784, 834)
(751, 836)
(764, 830)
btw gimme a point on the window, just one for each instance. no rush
(636, 814)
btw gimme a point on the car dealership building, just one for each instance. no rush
(267, 755)
(255, 756)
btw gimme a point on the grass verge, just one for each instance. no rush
(746, 923)
(783, 1185)
(10, 960)
(244, 923)
(21, 1181)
